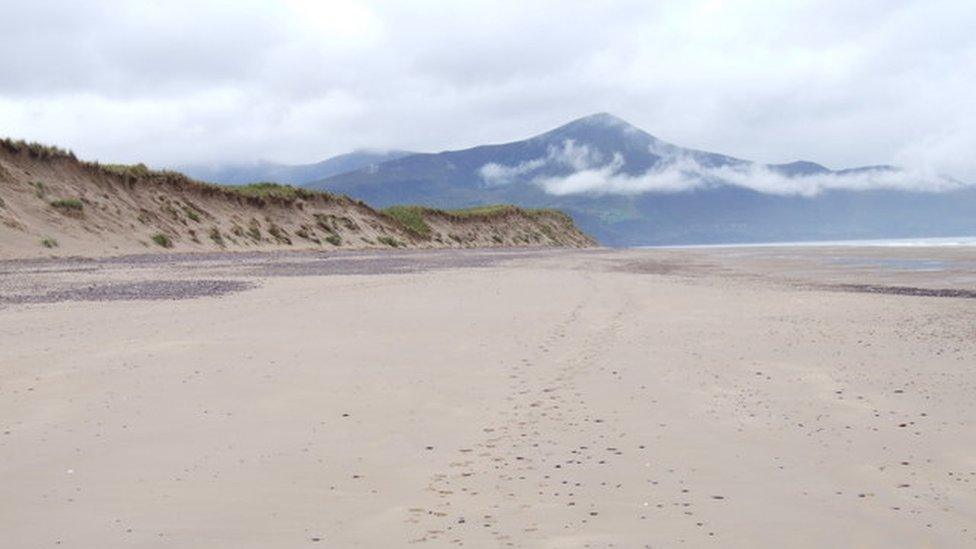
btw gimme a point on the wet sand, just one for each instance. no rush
(726, 398)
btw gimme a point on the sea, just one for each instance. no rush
(949, 241)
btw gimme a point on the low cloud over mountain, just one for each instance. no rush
(628, 187)
(594, 173)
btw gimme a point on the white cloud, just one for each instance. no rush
(685, 174)
(567, 155)
(499, 174)
(842, 83)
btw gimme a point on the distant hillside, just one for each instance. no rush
(627, 187)
(300, 174)
(53, 204)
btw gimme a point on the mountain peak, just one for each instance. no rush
(602, 119)
(603, 130)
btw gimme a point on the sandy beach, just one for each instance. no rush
(635, 398)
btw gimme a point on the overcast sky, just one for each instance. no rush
(172, 82)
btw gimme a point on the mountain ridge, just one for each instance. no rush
(628, 187)
(290, 174)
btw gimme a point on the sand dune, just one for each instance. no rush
(52, 204)
(482, 399)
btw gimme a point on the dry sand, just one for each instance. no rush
(536, 399)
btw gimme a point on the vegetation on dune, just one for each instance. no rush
(162, 240)
(495, 210)
(35, 150)
(411, 217)
(129, 170)
(414, 218)
(191, 214)
(68, 205)
(274, 190)
(39, 189)
(217, 238)
(333, 219)
(279, 234)
(260, 192)
(390, 241)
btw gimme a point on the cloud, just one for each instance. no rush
(685, 174)
(843, 83)
(567, 155)
(499, 174)
(588, 171)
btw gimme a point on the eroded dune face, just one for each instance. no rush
(52, 203)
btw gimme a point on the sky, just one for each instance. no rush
(179, 82)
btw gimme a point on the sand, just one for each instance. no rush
(706, 398)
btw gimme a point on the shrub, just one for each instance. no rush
(279, 234)
(68, 205)
(49, 243)
(162, 240)
(194, 216)
(39, 189)
(216, 236)
(333, 239)
(390, 241)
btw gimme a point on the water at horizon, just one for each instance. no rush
(949, 241)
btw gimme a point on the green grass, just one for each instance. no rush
(482, 211)
(279, 234)
(217, 238)
(162, 240)
(39, 190)
(68, 205)
(411, 217)
(273, 190)
(499, 209)
(49, 243)
(390, 241)
(190, 213)
(35, 150)
(130, 170)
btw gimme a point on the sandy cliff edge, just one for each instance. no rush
(51, 203)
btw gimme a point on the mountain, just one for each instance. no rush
(51, 203)
(626, 187)
(238, 174)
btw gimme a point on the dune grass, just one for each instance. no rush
(68, 204)
(390, 241)
(411, 217)
(162, 240)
